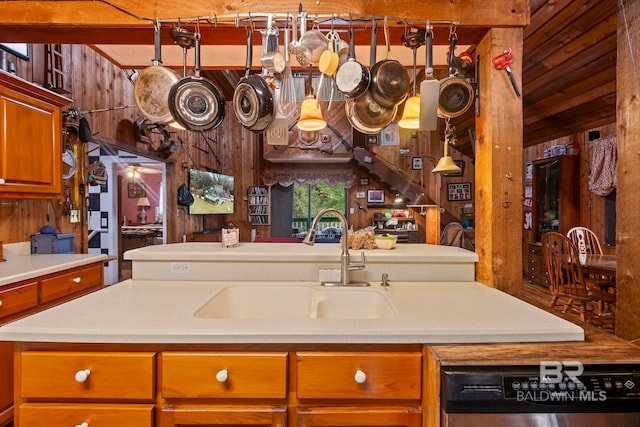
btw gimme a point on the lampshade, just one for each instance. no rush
(411, 114)
(144, 202)
(311, 119)
(446, 163)
(420, 201)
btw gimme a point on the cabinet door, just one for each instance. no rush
(227, 416)
(359, 417)
(6, 380)
(30, 146)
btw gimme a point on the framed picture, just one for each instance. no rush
(20, 50)
(375, 196)
(459, 191)
(391, 135)
(416, 163)
(404, 151)
(364, 181)
(372, 139)
(359, 194)
(460, 164)
(136, 190)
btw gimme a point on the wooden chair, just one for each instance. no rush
(585, 240)
(567, 281)
(587, 243)
(453, 235)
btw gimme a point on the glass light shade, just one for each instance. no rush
(310, 116)
(411, 114)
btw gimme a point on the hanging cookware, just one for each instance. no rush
(151, 89)
(352, 78)
(195, 102)
(364, 113)
(253, 102)
(429, 89)
(390, 81)
(456, 93)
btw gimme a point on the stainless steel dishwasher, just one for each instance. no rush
(601, 395)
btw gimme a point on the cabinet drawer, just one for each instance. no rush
(17, 299)
(95, 415)
(70, 282)
(335, 375)
(121, 376)
(222, 375)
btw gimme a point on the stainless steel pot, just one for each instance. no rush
(195, 102)
(253, 102)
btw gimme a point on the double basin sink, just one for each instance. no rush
(296, 302)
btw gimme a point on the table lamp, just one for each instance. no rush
(143, 203)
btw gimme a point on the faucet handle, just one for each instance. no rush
(358, 265)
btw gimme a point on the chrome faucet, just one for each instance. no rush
(345, 265)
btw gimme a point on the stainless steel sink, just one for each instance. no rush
(295, 302)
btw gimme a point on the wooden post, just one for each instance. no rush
(498, 189)
(627, 202)
(433, 224)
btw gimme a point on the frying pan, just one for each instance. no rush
(352, 78)
(195, 102)
(253, 102)
(390, 81)
(456, 94)
(151, 89)
(363, 112)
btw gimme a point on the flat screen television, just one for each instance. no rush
(212, 192)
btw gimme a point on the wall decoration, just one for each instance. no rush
(20, 50)
(359, 194)
(136, 189)
(375, 196)
(364, 181)
(528, 171)
(372, 139)
(405, 151)
(391, 135)
(460, 164)
(459, 191)
(416, 163)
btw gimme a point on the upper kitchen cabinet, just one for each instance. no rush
(30, 139)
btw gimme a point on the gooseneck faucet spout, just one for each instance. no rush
(345, 265)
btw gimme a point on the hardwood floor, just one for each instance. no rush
(539, 296)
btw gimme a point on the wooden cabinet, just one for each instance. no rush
(190, 386)
(91, 381)
(31, 140)
(259, 204)
(536, 267)
(218, 377)
(26, 297)
(556, 194)
(363, 389)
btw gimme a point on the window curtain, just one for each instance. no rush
(604, 161)
(286, 177)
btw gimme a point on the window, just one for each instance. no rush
(308, 200)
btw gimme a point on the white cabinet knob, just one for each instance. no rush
(84, 424)
(0, 303)
(1, 180)
(82, 375)
(360, 377)
(77, 279)
(222, 376)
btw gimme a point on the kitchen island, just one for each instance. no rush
(155, 352)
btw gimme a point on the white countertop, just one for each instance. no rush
(295, 252)
(21, 265)
(162, 312)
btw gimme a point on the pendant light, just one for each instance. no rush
(311, 119)
(411, 113)
(446, 163)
